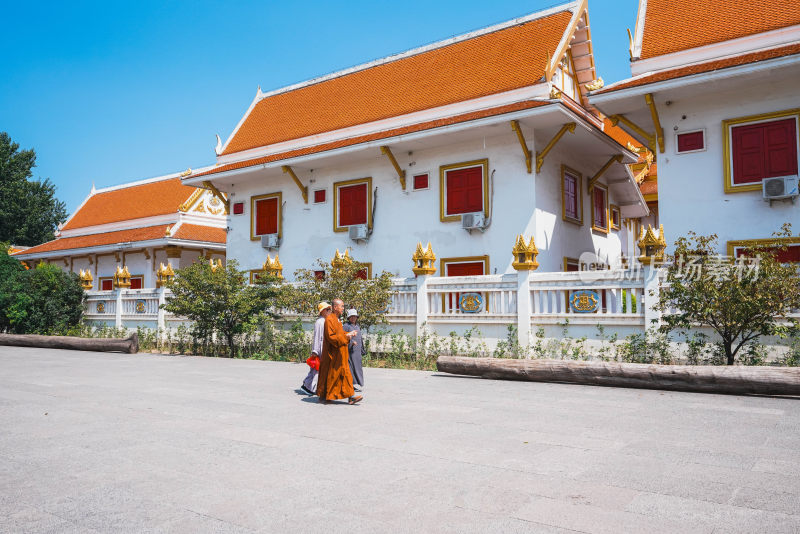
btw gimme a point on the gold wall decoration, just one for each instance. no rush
(525, 255)
(651, 246)
(173, 252)
(423, 259)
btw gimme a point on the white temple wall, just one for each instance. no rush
(404, 218)
(691, 194)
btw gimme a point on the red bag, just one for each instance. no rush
(313, 362)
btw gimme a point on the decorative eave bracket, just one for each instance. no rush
(570, 126)
(656, 122)
(650, 138)
(401, 174)
(218, 194)
(303, 188)
(603, 169)
(525, 150)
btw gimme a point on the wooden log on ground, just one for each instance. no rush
(738, 380)
(128, 345)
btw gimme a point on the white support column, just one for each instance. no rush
(118, 309)
(422, 302)
(652, 317)
(524, 308)
(161, 321)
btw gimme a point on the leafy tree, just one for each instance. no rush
(44, 300)
(219, 300)
(345, 280)
(740, 299)
(29, 211)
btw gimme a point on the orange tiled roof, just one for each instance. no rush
(95, 240)
(500, 61)
(380, 135)
(145, 200)
(196, 232)
(675, 25)
(619, 135)
(649, 188)
(706, 67)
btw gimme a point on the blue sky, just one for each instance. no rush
(111, 92)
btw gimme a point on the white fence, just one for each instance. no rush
(526, 300)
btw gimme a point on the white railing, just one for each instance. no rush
(101, 305)
(523, 299)
(490, 298)
(140, 304)
(403, 306)
(618, 299)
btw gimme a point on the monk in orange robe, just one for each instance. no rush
(335, 381)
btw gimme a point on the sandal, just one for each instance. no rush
(353, 400)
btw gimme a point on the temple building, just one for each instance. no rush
(120, 236)
(713, 95)
(467, 144)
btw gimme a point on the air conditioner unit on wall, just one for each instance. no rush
(358, 232)
(780, 187)
(473, 221)
(270, 241)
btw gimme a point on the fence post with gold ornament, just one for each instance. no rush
(524, 263)
(423, 268)
(651, 247)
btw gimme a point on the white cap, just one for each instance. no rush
(351, 313)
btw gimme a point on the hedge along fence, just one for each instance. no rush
(290, 342)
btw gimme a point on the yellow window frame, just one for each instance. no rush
(578, 193)
(727, 152)
(443, 193)
(253, 200)
(345, 183)
(607, 229)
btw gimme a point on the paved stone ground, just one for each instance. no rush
(143, 443)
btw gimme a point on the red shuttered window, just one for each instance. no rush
(463, 188)
(320, 196)
(265, 215)
(352, 203)
(420, 181)
(107, 284)
(599, 208)
(791, 254)
(691, 141)
(758, 150)
(136, 282)
(571, 196)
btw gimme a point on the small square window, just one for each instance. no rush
(420, 181)
(319, 275)
(320, 196)
(238, 208)
(691, 141)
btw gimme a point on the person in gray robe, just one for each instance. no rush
(310, 382)
(357, 349)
